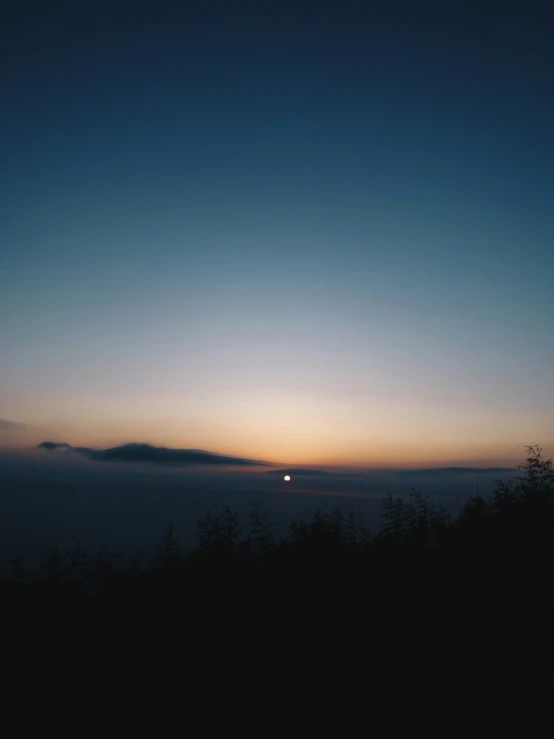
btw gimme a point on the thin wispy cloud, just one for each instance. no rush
(6, 425)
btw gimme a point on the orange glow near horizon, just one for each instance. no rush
(300, 431)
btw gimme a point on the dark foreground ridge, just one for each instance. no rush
(429, 628)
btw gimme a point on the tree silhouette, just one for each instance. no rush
(538, 478)
(219, 534)
(415, 522)
(260, 540)
(168, 555)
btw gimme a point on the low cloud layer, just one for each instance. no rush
(51, 445)
(155, 455)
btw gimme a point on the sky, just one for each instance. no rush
(315, 235)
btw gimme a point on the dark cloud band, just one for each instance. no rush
(156, 455)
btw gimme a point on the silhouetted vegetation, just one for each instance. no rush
(434, 626)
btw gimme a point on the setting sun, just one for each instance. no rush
(286, 478)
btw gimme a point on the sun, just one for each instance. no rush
(286, 478)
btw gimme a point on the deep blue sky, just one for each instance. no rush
(303, 234)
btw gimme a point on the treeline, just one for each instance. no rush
(429, 625)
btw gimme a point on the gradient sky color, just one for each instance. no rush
(310, 237)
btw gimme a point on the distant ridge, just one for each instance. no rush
(297, 472)
(456, 470)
